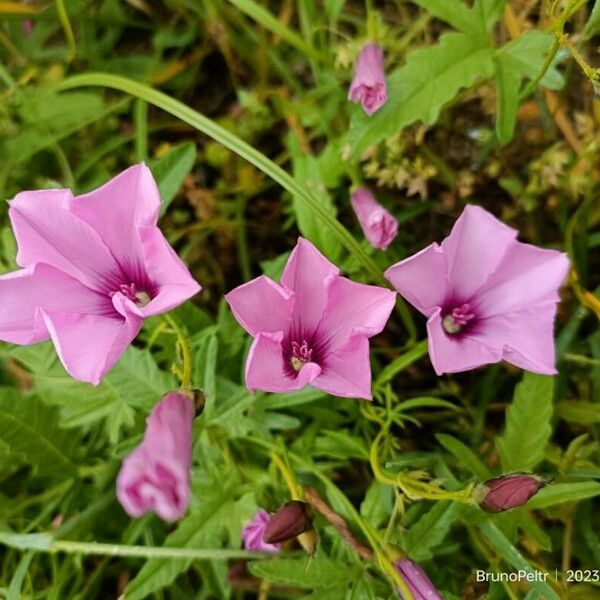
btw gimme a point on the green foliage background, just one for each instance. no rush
(239, 107)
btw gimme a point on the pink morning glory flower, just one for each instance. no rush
(369, 86)
(378, 225)
(418, 582)
(94, 266)
(487, 296)
(312, 328)
(253, 532)
(156, 475)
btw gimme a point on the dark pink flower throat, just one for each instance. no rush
(454, 321)
(141, 298)
(301, 354)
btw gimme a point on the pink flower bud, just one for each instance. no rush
(416, 579)
(509, 491)
(369, 86)
(156, 475)
(378, 225)
(253, 534)
(288, 522)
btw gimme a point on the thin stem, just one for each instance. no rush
(288, 476)
(259, 160)
(140, 118)
(401, 362)
(186, 355)
(63, 17)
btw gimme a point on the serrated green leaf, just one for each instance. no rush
(30, 428)
(340, 444)
(171, 169)
(582, 412)
(508, 82)
(527, 431)
(420, 89)
(297, 572)
(464, 455)
(476, 20)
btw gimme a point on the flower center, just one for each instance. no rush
(454, 322)
(140, 297)
(301, 354)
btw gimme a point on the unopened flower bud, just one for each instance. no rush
(288, 522)
(508, 491)
(417, 581)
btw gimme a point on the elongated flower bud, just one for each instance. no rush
(508, 491)
(369, 86)
(379, 226)
(416, 579)
(288, 522)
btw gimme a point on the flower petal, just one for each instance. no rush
(354, 308)
(48, 232)
(525, 336)
(475, 247)
(171, 277)
(89, 345)
(347, 371)
(528, 276)
(23, 292)
(265, 369)
(421, 279)
(120, 207)
(305, 273)
(452, 354)
(261, 305)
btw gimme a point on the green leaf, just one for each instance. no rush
(30, 428)
(465, 456)
(430, 530)
(171, 169)
(341, 444)
(582, 412)
(527, 432)
(420, 89)
(558, 493)
(297, 572)
(593, 25)
(306, 172)
(508, 82)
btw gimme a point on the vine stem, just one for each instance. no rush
(186, 354)
(258, 159)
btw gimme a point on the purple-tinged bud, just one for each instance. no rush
(416, 579)
(288, 522)
(378, 225)
(253, 534)
(508, 491)
(369, 86)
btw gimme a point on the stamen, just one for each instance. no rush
(457, 319)
(130, 291)
(301, 354)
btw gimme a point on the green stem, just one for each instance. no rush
(63, 17)
(259, 160)
(140, 118)
(186, 354)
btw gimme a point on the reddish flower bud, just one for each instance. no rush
(416, 579)
(288, 522)
(508, 491)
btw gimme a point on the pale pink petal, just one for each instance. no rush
(119, 208)
(171, 278)
(347, 372)
(474, 249)
(527, 276)
(261, 305)
(354, 308)
(47, 231)
(252, 534)
(89, 345)
(455, 353)
(369, 85)
(265, 368)
(305, 273)
(421, 279)
(378, 225)
(525, 337)
(156, 475)
(23, 292)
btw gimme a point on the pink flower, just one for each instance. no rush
(378, 225)
(416, 579)
(156, 475)
(313, 329)
(252, 534)
(487, 297)
(94, 266)
(369, 86)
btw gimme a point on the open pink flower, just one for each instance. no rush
(313, 329)
(487, 296)
(416, 579)
(253, 532)
(369, 86)
(378, 225)
(94, 266)
(156, 475)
